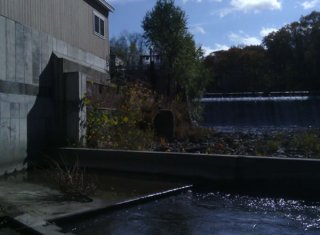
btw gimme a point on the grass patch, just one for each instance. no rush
(308, 143)
(72, 181)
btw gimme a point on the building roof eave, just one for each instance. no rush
(105, 5)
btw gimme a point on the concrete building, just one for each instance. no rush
(49, 50)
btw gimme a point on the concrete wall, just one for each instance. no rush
(67, 20)
(13, 130)
(76, 84)
(29, 88)
(298, 177)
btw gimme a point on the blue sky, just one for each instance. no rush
(218, 24)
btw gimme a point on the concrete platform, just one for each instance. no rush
(38, 205)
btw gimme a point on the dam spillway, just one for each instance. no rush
(276, 109)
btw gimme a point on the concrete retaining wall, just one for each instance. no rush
(13, 130)
(26, 81)
(298, 176)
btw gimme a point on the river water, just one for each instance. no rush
(204, 212)
(200, 213)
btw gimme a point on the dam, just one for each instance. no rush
(257, 109)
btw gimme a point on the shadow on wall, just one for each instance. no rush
(44, 118)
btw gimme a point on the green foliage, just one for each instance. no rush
(129, 47)
(294, 52)
(239, 70)
(97, 123)
(308, 143)
(288, 59)
(268, 147)
(304, 143)
(129, 127)
(165, 30)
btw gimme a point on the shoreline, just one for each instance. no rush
(273, 142)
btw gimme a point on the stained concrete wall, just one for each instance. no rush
(282, 176)
(28, 87)
(13, 130)
(76, 113)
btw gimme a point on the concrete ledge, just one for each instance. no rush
(266, 174)
(174, 164)
(18, 88)
(60, 220)
(16, 227)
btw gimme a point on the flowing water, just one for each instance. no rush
(200, 213)
(260, 110)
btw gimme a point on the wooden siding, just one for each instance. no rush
(67, 20)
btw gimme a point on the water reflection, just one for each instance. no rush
(208, 213)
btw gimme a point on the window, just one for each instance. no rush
(99, 25)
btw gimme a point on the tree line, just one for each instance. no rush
(288, 59)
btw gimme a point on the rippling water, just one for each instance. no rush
(208, 213)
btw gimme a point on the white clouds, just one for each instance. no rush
(199, 1)
(221, 47)
(243, 39)
(198, 29)
(251, 6)
(240, 39)
(218, 47)
(245, 5)
(185, 1)
(310, 4)
(207, 50)
(266, 31)
(255, 5)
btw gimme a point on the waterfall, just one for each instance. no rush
(301, 109)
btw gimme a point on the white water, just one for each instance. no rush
(261, 111)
